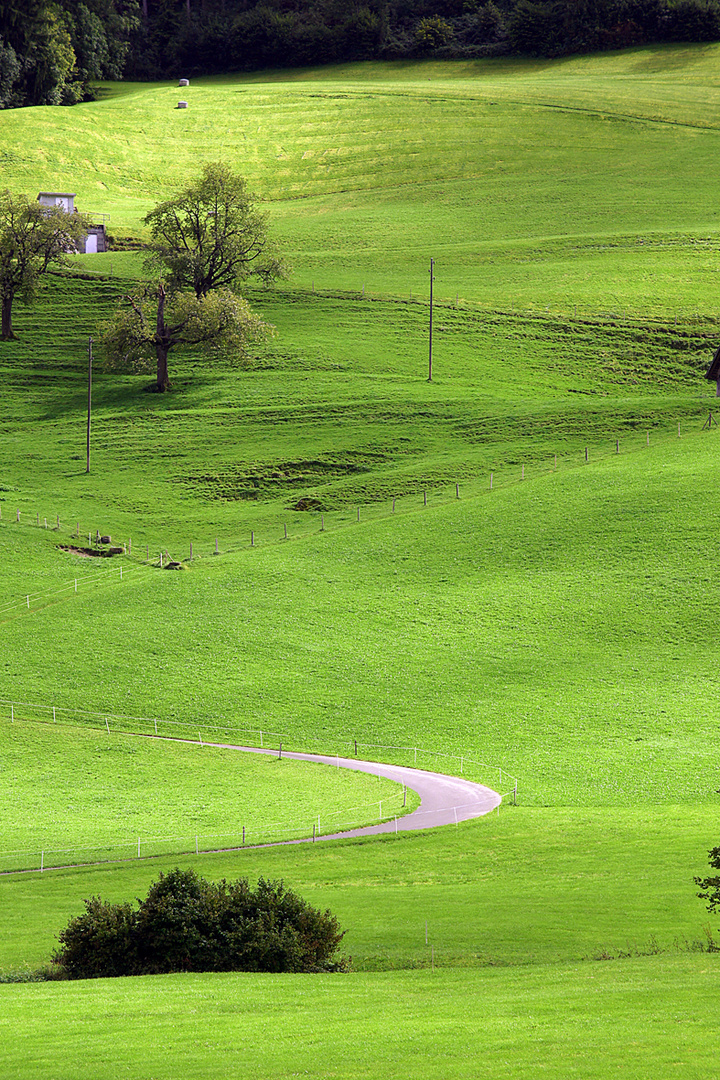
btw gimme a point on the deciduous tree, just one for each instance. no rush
(211, 235)
(32, 238)
(711, 885)
(151, 322)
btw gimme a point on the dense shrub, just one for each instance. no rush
(186, 923)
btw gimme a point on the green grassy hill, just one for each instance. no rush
(79, 796)
(559, 626)
(371, 169)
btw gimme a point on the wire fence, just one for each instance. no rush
(413, 497)
(34, 600)
(287, 829)
(327, 822)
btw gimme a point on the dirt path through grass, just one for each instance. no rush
(444, 800)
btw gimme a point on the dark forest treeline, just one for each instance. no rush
(51, 50)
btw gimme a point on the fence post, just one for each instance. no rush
(54, 720)
(457, 491)
(42, 861)
(138, 847)
(155, 723)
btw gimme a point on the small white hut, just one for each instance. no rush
(95, 239)
(63, 199)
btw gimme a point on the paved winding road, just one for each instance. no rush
(444, 800)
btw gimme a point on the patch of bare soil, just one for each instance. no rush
(90, 553)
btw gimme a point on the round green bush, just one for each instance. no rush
(186, 923)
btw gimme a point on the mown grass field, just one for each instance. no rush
(81, 796)
(593, 1019)
(559, 625)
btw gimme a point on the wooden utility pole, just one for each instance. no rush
(432, 278)
(90, 345)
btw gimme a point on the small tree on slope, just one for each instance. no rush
(711, 885)
(149, 323)
(32, 238)
(210, 235)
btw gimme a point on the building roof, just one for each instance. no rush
(58, 194)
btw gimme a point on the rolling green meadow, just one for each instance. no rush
(514, 563)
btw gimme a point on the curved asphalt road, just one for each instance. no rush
(444, 800)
